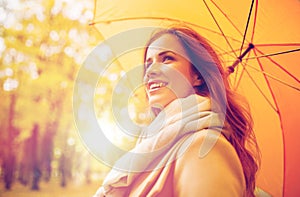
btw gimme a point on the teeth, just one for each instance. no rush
(157, 85)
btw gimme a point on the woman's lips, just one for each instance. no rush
(155, 85)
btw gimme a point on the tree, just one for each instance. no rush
(42, 44)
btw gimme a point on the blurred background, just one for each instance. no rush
(43, 43)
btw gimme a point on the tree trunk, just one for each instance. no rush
(8, 170)
(35, 161)
(47, 151)
(9, 156)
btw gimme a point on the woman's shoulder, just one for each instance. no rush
(208, 163)
(209, 145)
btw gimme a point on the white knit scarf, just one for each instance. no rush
(158, 145)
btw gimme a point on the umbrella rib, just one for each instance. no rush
(278, 111)
(254, 21)
(281, 67)
(242, 72)
(260, 90)
(237, 82)
(273, 54)
(209, 10)
(276, 105)
(247, 25)
(225, 15)
(268, 56)
(229, 52)
(277, 44)
(158, 18)
(273, 77)
(268, 83)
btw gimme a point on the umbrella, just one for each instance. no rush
(259, 41)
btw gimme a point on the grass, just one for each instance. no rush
(51, 189)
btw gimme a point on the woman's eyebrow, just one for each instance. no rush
(161, 54)
(165, 52)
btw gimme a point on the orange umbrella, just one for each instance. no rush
(260, 40)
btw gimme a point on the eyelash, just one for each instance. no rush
(167, 57)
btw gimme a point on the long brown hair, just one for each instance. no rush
(206, 63)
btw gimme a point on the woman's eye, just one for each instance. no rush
(148, 64)
(167, 58)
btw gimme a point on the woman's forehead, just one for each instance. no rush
(166, 42)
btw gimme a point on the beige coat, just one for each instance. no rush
(219, 173)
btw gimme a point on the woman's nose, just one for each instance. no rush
(153, 71)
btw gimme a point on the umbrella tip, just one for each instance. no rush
(230, 69)
(251, 46)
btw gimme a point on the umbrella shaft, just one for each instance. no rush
(240, 58)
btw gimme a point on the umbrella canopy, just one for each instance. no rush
(260, 40)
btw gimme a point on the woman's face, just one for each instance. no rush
(168, 73)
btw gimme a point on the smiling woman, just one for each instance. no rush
(197, 142)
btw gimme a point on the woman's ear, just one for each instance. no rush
(197, 80)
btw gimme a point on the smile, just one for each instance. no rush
(156, 85)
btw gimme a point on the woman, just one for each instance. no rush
(198, 138)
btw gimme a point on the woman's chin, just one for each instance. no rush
(160, 102)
